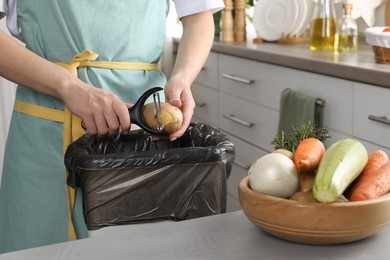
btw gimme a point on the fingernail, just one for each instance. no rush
(172, 139)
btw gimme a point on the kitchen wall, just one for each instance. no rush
(380, 15)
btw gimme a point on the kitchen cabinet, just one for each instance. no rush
(371, 114)
(246, 154)
(205, 92)
(206, 103)
(241, 96)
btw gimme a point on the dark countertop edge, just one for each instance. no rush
(342, 70)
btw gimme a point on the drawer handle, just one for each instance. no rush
(200, 104)
(242, 165)
(381, 119)
(235, 78)
(239, 121)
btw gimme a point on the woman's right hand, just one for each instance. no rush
(102, 112)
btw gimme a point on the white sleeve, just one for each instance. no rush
(3, 6)
(9, 8)
(186, 7)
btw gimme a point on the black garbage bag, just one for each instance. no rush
(131, 178)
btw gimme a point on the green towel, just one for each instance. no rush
(297, 108)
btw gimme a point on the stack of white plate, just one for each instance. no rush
(274, 18)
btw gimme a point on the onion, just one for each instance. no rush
(274, 174)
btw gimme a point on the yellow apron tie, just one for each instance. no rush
(72, 123)
(83, 59)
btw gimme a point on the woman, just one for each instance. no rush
(113, 49)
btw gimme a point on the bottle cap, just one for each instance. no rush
(347, 5)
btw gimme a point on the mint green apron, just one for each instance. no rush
(33, 198)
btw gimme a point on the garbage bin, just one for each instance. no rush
(131, 178)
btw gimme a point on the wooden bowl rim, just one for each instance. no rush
(244, 186)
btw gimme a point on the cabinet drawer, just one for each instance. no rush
(250, 80)
(206, 100)
(371, 117)
(265, 83)
(338, 96)
(246, 155)
(208, 76)
(251, 122)
(233, 204)
(335, 136)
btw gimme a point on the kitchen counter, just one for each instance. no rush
(225, 236)
(356, 66)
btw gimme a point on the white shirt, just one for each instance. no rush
(183, 8)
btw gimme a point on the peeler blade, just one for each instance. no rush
(157, 110)
(136, 112)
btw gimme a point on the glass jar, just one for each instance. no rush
(323, 26)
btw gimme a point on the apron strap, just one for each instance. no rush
(72, 123)
(83, 59)
(39, 111)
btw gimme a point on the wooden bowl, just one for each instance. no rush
(314, 223)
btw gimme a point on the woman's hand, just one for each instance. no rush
(178, 94)
(102, 112)
(194, 47)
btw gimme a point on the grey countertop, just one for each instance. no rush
(355, 66)
(225, 236)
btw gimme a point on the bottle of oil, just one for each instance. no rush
(347, 31)
(323, 26)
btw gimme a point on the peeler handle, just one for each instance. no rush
(136, 112)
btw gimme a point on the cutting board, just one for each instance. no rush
(387, 13)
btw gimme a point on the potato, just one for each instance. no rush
(303, 197)
(306, 181)
(170, 117)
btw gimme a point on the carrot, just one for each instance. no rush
(376, 159)
(308, 154)
(374, 186)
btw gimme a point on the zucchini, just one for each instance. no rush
(341, 164)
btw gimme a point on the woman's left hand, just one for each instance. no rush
(194, 47)
(178, 94)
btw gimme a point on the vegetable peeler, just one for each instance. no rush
(136, 111)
